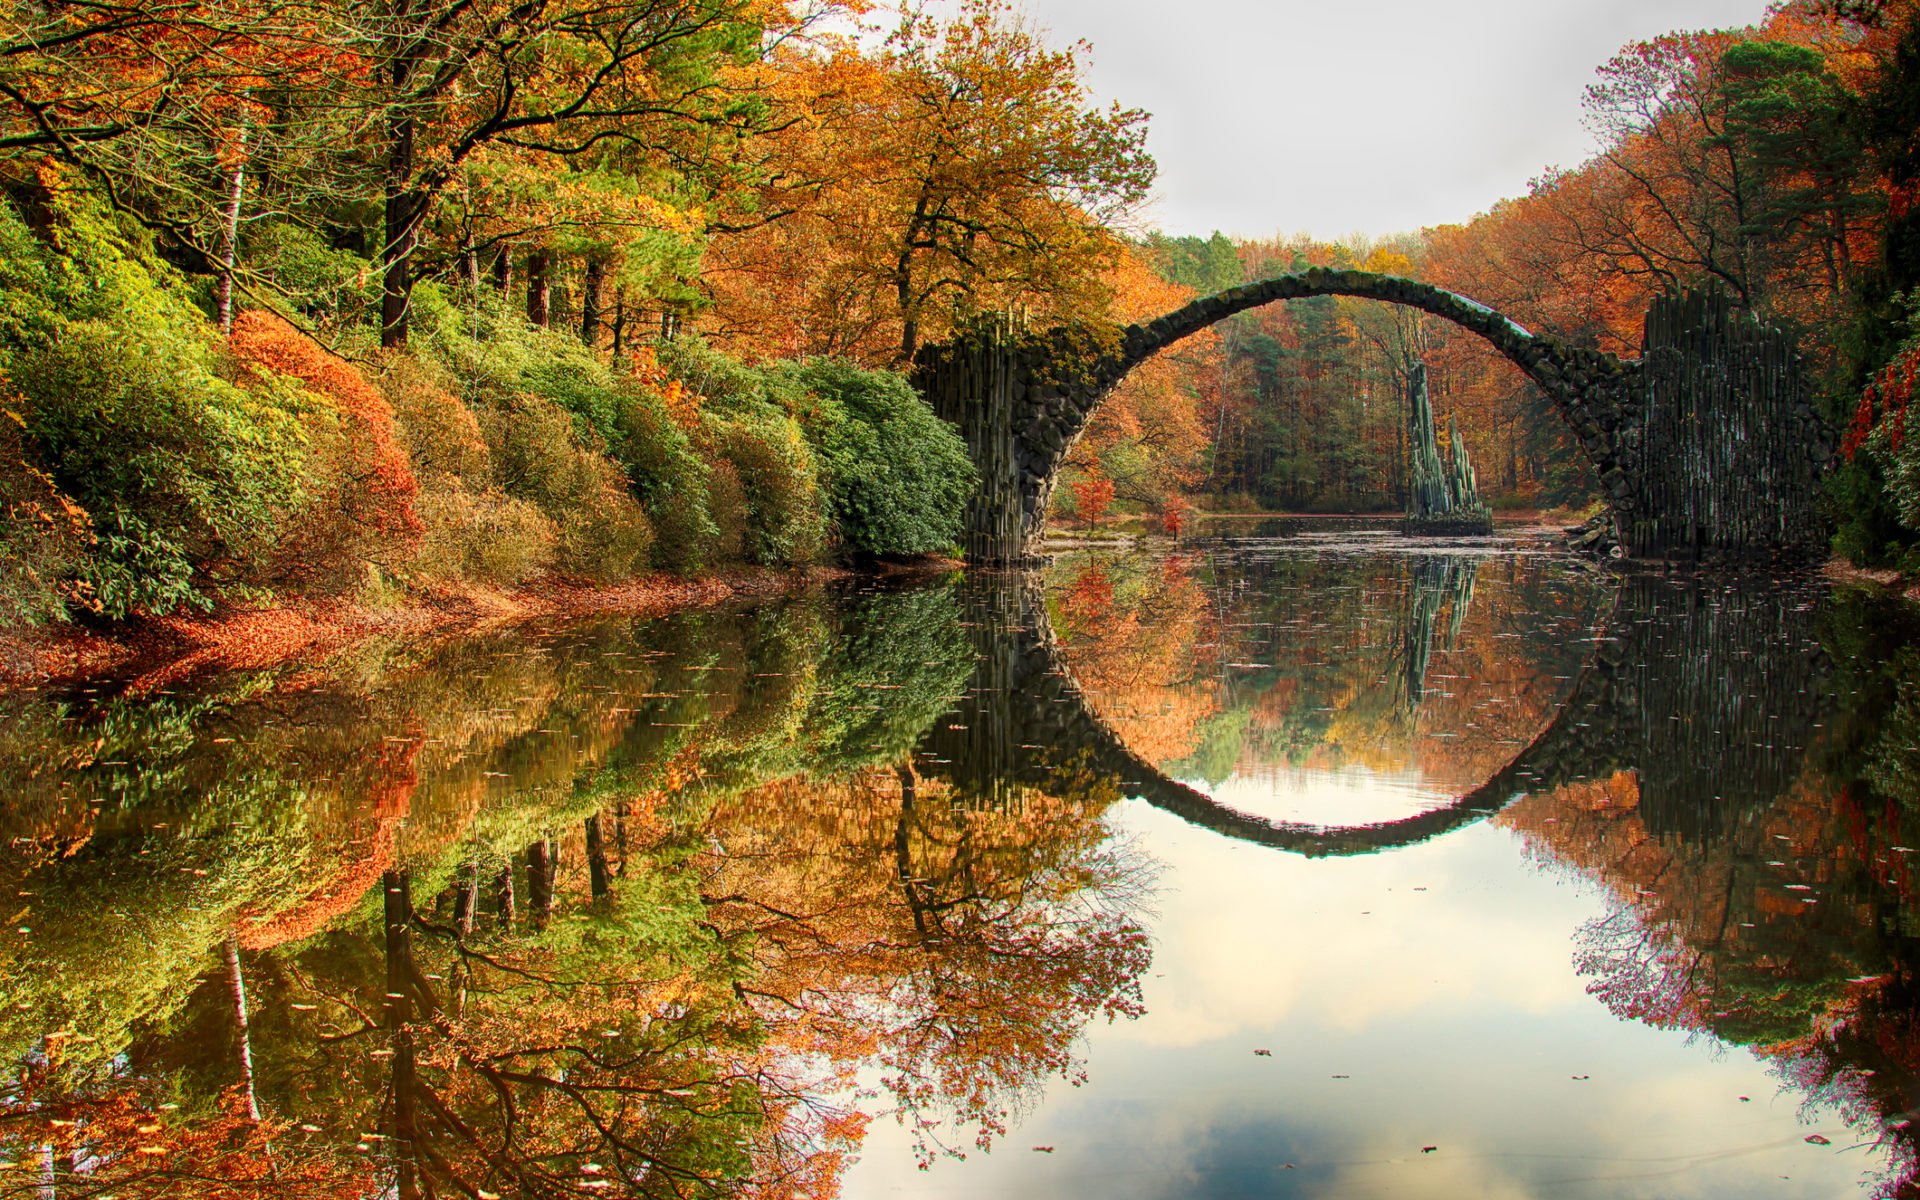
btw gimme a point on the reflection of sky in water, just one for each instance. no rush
(1453, 1011)
(1346, 796)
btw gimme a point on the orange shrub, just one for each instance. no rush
(363, 484)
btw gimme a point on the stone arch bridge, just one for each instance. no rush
(1703, 692)
(1705, 446)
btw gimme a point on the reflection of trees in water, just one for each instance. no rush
(1756, 841)
(641, 931)
(628, 958)
(1327, 661)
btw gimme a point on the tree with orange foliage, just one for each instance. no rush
(1150, 437)
(959, 167)
(1092, 496)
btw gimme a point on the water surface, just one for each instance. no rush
(1300, 862)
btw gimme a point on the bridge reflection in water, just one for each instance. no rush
(1707, 691)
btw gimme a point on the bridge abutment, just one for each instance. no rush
(1727, 448)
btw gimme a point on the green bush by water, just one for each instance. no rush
(145, 467)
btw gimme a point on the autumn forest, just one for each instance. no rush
(490, 705)
(452, 295)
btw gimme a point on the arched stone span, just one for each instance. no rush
(1701, 691)
(1737, 470)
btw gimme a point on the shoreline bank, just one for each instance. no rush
(152, 652)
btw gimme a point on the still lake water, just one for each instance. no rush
(1304, 862)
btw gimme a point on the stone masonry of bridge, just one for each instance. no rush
(1706, 446)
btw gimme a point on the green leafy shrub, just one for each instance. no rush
(443, 440)
(131, 408)
(488, 537)
(897, 477)
(499, 365)
(671, 480)
(43, 534)
(537, 457)
(727, 509)
(771, 459)
(184, 473)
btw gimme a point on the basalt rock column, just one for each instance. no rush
(1019, 400)
(1730, 450)
(974, 383)
(1442, 497)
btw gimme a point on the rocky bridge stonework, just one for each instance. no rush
(1707, 446)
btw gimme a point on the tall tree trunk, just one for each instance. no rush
(540, 883)
(404, 206)
(903, 277)
(539, 288)
(593, 300)
(230, 238)
(243, 1035)
(470, 269)
(619, 324)
(503, 268)
(909, 339)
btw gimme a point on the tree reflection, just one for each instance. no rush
(1212, 667)
(675, 909)
(1756, 842)
(632, 910)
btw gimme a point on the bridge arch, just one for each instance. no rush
(1736, 468)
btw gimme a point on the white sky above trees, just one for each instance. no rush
(1334, 117)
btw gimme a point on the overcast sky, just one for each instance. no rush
(1333, 117)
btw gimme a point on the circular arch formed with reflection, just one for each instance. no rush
(1027, 718)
